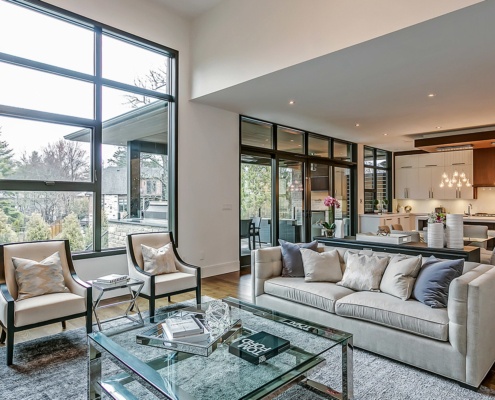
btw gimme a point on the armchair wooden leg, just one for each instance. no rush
(152, 309)
(3, 335)
(89, 322)
(10, 346)
(198, 294)
(169, 299)
(64, 325)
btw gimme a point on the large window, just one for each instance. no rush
(87, 130)
(286, 174)
(377, 180)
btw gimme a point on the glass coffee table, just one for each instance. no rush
(123, 364)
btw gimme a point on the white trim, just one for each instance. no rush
(218, 269)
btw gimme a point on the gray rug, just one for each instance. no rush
(55, 368)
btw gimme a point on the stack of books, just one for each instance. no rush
(188, 329)
(112, 278)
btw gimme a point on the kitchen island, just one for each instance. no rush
(421, 221)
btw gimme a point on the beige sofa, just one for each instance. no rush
(456, 342)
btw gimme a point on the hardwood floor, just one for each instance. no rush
(235, 284)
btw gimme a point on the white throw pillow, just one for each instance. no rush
(363, 272)
(321, 267)
(400, 275)
(159, 261)
(36, 278)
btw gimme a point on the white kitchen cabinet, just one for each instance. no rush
(430, 160)
(408, 223)
(419, 176)
(429, 179)
(371, 222)
(406, 182)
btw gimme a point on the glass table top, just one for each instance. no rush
(220, 375)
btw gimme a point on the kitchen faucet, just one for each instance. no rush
(469, 209)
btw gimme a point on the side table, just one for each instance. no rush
(137, 284)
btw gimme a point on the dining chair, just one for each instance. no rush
(254, 232)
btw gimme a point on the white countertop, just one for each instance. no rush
(469, 218)
(379, 215)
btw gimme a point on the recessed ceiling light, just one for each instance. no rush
(492, 143)
(357, 125)
(431, 95)
(438, 127)
(385, 134)
(291, 102)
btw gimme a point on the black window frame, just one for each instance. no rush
(375, 169)
(95, 124)
(306, 158)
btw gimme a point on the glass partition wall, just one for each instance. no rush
(285, 176)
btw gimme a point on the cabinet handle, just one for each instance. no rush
(458, 163)
(407, 166)
(431, 165)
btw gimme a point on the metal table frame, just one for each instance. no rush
(132, 304)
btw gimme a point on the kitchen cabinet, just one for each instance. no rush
(406, 176)
(484, 167)
(429, 178)
(371, 222)
(419, 176)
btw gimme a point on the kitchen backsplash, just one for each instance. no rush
(485, 203)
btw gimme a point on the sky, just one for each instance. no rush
(32, 35)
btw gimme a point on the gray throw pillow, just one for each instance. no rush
(432, 284)
(400, 275)
(363, 272)
(36, 278)
(321, 267)
(291, 257)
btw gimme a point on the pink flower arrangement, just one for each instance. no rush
(331, 202)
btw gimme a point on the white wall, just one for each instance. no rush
(239, 40)
(208, 144)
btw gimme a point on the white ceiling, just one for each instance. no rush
(189, 9)
(383, 84)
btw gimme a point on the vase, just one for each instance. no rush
(329, 233)
(435, 235)
(454, 231)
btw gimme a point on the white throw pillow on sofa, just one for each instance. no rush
(400, 275)
(321, 267)
(363, 272)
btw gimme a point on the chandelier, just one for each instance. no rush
(456, 180)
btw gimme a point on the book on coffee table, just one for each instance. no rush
(259, 347)
(176, 328)
(112, 278)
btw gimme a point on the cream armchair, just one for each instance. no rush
(20, 314)
(188, 277)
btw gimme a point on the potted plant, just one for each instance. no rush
(329, 226)
(376, 202)
(384, 205)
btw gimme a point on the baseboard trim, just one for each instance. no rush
(219, 269)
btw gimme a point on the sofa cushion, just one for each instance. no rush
(400, 275)
(291, 257)
(363, 272)
(432, 285)
(410, 316)
(321, 267)
(321, 295)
